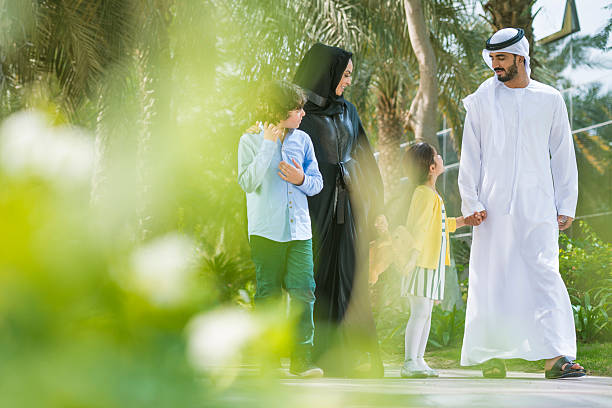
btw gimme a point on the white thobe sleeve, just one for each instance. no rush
(470, 166)
(563, 161)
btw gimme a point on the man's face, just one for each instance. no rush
(504, 65)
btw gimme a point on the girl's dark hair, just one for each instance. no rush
(420, 157)
(277, 99)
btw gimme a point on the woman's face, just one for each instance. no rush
(346, 78)
(294, 119)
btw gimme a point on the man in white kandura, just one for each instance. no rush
(518, 171)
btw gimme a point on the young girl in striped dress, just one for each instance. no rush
(422, 247)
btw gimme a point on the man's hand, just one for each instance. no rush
(564, 222)
(294, 175)
(476, 219)
(483, 215)
(272, 132)
(381, 224)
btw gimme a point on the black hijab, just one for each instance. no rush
(319, 73)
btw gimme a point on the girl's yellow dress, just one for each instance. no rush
(420, 247)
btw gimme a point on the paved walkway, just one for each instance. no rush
(456, 388)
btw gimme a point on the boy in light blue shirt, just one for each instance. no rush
(277, 169)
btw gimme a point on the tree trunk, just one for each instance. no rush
(390, 131)
(154, 77)
(116, 147)
(512, 13)
(422, 115)
(99, 180)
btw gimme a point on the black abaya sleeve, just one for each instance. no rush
(369, 186)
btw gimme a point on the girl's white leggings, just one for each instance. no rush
(417, 329)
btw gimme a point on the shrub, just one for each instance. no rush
(590, 313)
(391, 311)
(585, 262)
(233, 278)
(446, 327)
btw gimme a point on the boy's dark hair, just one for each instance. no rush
(277, 99)
(420, 157)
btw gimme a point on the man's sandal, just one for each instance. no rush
(494, 368)
(563, 369)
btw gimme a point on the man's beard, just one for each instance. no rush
(511, 73)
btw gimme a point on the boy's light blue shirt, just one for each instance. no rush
(277, 209)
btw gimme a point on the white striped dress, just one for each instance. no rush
(428, 282)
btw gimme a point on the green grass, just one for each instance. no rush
(596, 358)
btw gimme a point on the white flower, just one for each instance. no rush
(28, 144)
(162, 268)
(216, 339)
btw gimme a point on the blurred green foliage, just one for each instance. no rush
(98, 305)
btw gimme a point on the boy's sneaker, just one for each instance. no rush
(302, 366)
(272, 368)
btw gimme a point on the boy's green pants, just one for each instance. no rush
(288, 265)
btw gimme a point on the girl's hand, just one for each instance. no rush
(272, 132)
(460, 222)
(294, 175)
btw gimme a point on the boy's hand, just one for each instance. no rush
(272, 132)
(294, 175)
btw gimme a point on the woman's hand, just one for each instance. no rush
(381, 224)
(272, 132)
(294, 175)
(254, 129)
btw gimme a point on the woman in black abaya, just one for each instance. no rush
(343, 217)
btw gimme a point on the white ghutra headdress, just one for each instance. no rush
(510, 40)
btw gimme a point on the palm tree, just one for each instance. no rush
(409, 86)
(594, 156)
(422, 114)
(107, 66)
(71, 44)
